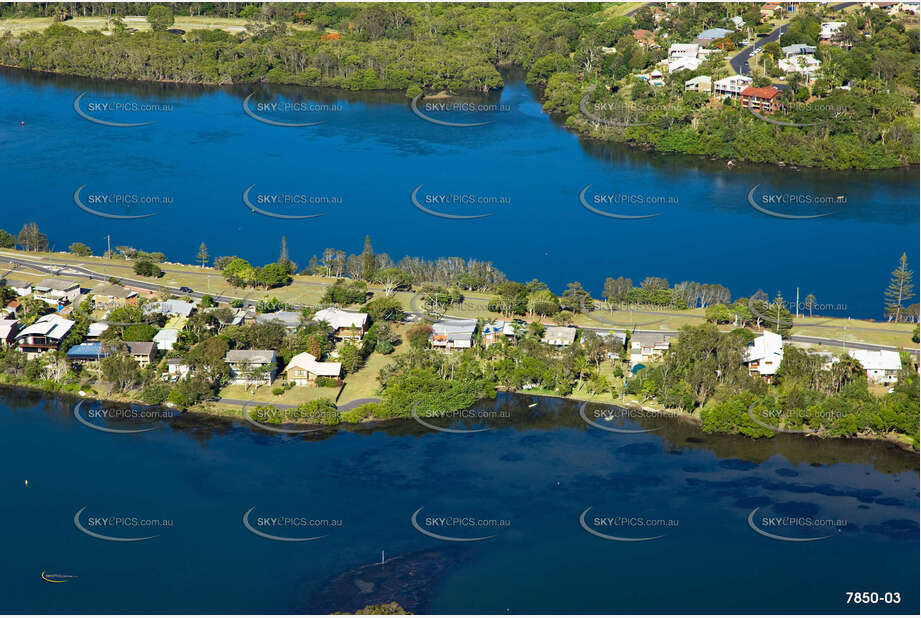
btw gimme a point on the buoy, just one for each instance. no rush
(22, 123)
(27, 482)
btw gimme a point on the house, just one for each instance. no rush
(453, 333)
(22, 288)
(764, 354)
(251, 366)
(12, 308)
(493, 332)
(712, 34)
(808, 66)
(765, 99)
(177, 368)
(291, 320)
(86, 352)
(647, 346)
(737, 22)
(110, 295)
(644, 37)
(684, 64)
(882, 366)
(304, 369)
(95, 330)
(798, 49)
(45, 334)
(731, 86)
(559, 335)
(141, 351)
(166, 338)
(701, 83)
(8, 331)
(171, 307)
(830, 30)
(345, 324)
(683, 50)
(58, 289)
(608, 338)
(769, 10)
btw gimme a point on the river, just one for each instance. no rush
(524, 483)
(358, 169)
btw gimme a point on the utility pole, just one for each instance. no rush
(796, 311)
(109, 244)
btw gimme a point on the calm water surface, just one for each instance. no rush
(374, 152)
(538, 471)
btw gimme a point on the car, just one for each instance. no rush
(186, 289)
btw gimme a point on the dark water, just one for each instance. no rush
(374, 152)
(538, 470)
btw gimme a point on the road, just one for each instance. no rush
(739, 62)
(81, 271)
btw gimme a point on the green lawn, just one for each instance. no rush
(137, 22)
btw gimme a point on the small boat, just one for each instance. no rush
(532, 405)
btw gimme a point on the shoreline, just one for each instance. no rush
(203, 414)
(576, 129)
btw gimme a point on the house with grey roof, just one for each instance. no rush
(22, 288)
(291, 320)
(559, 335)
(170, 307)
(251, 366)
(57, 289)
(453, 333)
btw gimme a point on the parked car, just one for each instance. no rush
(186, 290)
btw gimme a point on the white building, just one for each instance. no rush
(170, 307)
(764, 354)
(807, 66)
(701, 83)
(559, 335)
(304, 369)
(22, 288)
(45, 334)
(345, 324)
(683, 50)
(731, 86)
(58, 289)
(451, 333)
(684, 64)
(647, 346)
(830, 29)
(882, 366)
(251, 366)
(166, 338)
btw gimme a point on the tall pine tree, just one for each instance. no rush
(901, 288)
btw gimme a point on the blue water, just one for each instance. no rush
(538, 471)
(205, 152)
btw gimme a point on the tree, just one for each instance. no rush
(78, 248)
(810, 303)
(418, 336)
(367, 260)
(120, 370)
(146, 268)
(901, 288)
(160, 18)
(7, 240)
(350, 357)
(385, 308)
(31, 239)
(202, 255)
(283, 260)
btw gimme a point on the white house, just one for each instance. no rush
(701, 83)
(45, 334)
(684, 64)
(683, 50)
(647, 346)
(177, 368)
(166, 338)
(290, 319)
(738, 22)
(58, 289)
(22, 288)
(798, 49)
(559, 335)
(95, 330)
(763, 355)
(882, 366)
(251, 366)
(304, 369)
(453, 333)
(170, 307)
(807, 66)
(731, 86)
(345, 324)
(8, 331)
(830, 29)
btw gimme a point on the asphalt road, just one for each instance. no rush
(80, 271)
(739, 62)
